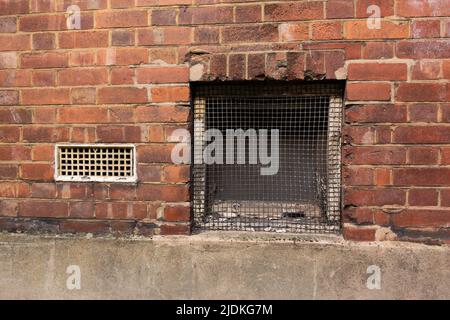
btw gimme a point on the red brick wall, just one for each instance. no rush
(125, 78)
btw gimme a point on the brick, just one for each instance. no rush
(122, 37)
(172, 193)
(43, 41)
(15, 115)
(8, 60)
(45, 134)
(162, 75)
(170, 94)
(122, 4)
(16, 42)
(382, 176)
(256, 33)
(83, 95)
(36, 171)
(294, 31)
(82, 77)
(37, 208)
(8, 171)
(15, 78)
(415, 92)
(249, 13)
(428, 49)
(177, 214)
(326, 30)
(162, 114)
(422, 197)
(163, 17)
(176, 173)
(425, 29)
(359, 233)
(388, 30)
(421, 176)
(172, 35)
(378, 50)
(423, 112)
(176, 229)
(354, 176)
(421, 134)
(122, 95)
(149, 173)
(14, 7)
(8, 24)
(145, 3)
(426, 70)
(122, 75)
(386, 8)
(237, 66)
(338, 9)
(421, 218)
(422, 8)
(218, 65)
(44, 60)
(119, 133)
(423, 155)
(352, 50)
(42, 152)
(445, 113)
(445, 68)
(445, 197)
(43, 78)
(43, 190)
(207, 35)
(33, 23)
(80, 226)
(377, 71)
(374, 155)
(121, 114)
(44, 115)
(83, 115)
(375, 197)
(9, 97)
(122, 56)
(293, 11)
(8, 208)
(9, 134)
(205, 15)
(121, 19)
(83, 4)
(45, 96)
(42, 5)
(167, 55)
(369, 91)
(376, 113)
(81, 58)
(83, 39)
(155, 153)
(84, 209)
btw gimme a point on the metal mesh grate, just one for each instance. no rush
(95, 163)
(303, 194)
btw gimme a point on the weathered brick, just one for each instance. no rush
(45, 96)
(9, 97)
(8, 24)
(170, 94)
(378, 50)
(354, 233)
(415, 92)
(425, 29)
(421, 176)
(420, 218)
(423, 155)
(369, 91)
(422, 8)
(38, 208)
(429, 49)
(256, 33)
(294, 31)
(14, 7)
(421, 134)
(387, 30)
(16, 42)
(44, 60)
(171, 35)
(338, 9)
(248, 13)
(45, 134)
(8, 60)
(377, 113)
(83, 115)
(326, 30)
(374, 155)
(426, 70)
(293, 11)
(422, 197)
(386, 8)
(172, 193)
(176, 214)
(84, 39)
(162, 75)
(122, 37)
(121, 19)
(82, 77)
(162, 114)
(122, 95)
(423, 112)
(375, 197)
(205, 15)
(43, 41)
(36, 171)
(163, 17)
(377, 71)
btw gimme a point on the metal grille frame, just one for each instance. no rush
(270, 210)
(95, 162)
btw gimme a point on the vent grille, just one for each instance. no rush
(304, 194)
(95, 163)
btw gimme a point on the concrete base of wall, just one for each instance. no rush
(220, 266)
